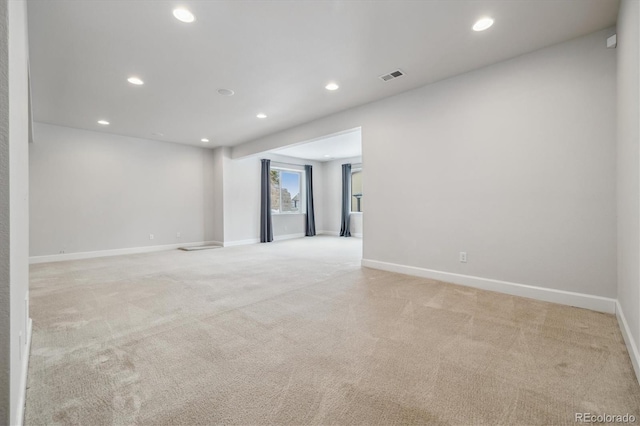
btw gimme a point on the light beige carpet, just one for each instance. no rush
(296, 332)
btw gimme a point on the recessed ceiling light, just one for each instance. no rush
(225, 92)
(158, 134)
(261, 115)
(103, 122)
(331, 86)
(204, 140)
(135, 80)
(482, 24)
(183, 15)
(327, 156)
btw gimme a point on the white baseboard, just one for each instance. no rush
(337, 234)
(632, 347)
(241, 242)
(257, 240)
(288, 236)
(22, 399)
(580, 300)
(334, 233)
(116, 252)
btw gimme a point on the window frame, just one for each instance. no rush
(301, 182)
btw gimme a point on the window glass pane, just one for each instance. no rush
(290, 195)
(356, 191)
(275, 191)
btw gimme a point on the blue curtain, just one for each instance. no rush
(346, 200)
(266, 227)
(310, 224)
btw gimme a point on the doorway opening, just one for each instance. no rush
(327, 155)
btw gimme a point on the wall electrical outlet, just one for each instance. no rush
(151, 236)
(463, 256)
(177, 235)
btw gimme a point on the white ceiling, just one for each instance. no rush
(276, 55)
(343, 145)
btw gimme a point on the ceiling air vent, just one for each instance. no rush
(391, 75)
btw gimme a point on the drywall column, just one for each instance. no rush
(5, 267)
(628, 175)
(14, 209)
(217, 195)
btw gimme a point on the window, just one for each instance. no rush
(356, 191)
(286, 194)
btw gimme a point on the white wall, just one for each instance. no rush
(93, 191)
(628, 111)
(14, 210)
(332, 205)
(5, 224)
(513, 163)
(242, 200)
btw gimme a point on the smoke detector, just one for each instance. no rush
(392, 75)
